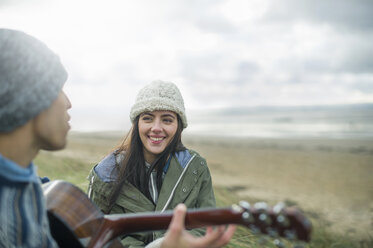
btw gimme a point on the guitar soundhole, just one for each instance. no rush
(62, 234)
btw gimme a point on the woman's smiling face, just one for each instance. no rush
(156, 130)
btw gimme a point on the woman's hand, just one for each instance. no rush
(177, 236)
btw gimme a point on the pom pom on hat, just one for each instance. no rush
(159, 95)
(31, 77)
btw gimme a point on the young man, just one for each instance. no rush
(33, 116)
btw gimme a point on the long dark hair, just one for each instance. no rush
(132, 168)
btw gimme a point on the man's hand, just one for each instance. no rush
(178, 237)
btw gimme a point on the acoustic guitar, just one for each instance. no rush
(76, 222)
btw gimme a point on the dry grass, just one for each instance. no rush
(331, 180)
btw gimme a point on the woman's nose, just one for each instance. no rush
(157, 126)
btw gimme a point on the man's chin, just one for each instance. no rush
(55, 146)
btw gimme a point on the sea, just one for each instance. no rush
(354, 121)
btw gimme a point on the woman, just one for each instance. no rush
(152, 170)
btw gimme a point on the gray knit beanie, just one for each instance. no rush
(159, 95)
(31, 77)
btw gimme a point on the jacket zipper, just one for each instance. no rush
(155, 198)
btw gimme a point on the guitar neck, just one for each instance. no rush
(288, 223)
(131, 223)
(116, 225)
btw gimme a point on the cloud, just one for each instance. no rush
(222, 53)
(342, 14)
(245, 72)
(363, 85)
(358, 58)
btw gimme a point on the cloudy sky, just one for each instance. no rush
(221, 53)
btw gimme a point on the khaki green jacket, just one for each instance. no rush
(187, 181)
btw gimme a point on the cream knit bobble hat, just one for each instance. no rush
(159, 95)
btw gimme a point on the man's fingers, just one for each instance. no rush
(211, 237)
(176, 227)
(217, 237)
(226, 237)
(176, 235)
(178, 219)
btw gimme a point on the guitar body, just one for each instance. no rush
(73, 218)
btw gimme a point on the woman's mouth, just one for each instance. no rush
(156, 140)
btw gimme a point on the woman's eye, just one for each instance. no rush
(168, 120)
(146, 118)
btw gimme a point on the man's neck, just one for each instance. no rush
(18, 146)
